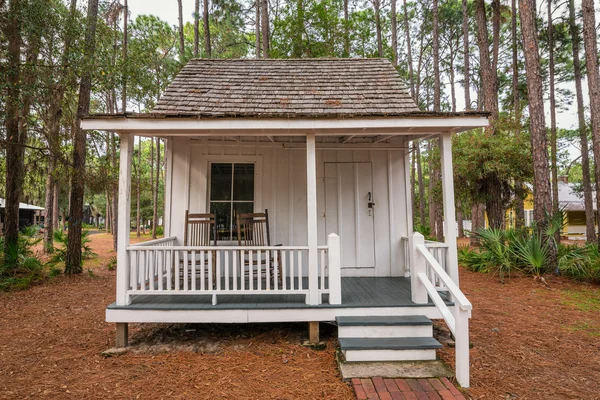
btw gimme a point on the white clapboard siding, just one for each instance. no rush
(280, 186)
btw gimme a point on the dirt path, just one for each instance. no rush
(529, 342)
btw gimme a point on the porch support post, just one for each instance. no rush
(122, 337)
(124, 216)
(448, 205)
(311, 213)
(418, 292)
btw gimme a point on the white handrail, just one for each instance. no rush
(438, 301)
(423, 288)
(458, 296)
(153, 242)
(220, 248)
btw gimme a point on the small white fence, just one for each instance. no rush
(428, 279)
(162, 268)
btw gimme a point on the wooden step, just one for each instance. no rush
(389, 349)
(384, 327)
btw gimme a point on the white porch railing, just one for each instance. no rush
(162, 268)
(439, 251)
(428, 279)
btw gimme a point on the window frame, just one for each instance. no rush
(256, 203)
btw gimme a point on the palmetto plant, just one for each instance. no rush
(60, 251)
(19, 267)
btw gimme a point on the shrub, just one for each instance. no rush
(19, 267)
(60, 252)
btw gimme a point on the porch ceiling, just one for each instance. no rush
(413, 124)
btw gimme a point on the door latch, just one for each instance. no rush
(370, 203)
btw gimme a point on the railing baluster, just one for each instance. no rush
(210, 270)
(322, 269)
(259, 269)
(235, 267)
(300, 270)
(226, 268)
(268, 268)
(242, 269)
(159, 269)
(202, 259)
(185, 270)
(276, 269)
(193, 271)
(284, 267)
(218, 269)
(133, 262)
(251, 283)
(291, 271)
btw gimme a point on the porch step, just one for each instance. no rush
(387, 338)
(384, 327)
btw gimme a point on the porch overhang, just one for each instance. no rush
(411, 124)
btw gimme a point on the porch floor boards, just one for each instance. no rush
(356, 293)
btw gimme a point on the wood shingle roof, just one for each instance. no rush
(290, 88)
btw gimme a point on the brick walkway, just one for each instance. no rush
(406, 389)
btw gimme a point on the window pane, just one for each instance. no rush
(241, 208)
(223, 214)
(243, 182)
(220, 181)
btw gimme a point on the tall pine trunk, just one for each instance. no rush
(466, 56)
(409, 60)
(206, 22)
(541, 179)
(181, 39)
(257, 4)
(73, 262)
(377, 10)
(590, 220)
(394, 34)
(593, 78)
(519, 188)
(265, 28)
(15, 139)
(553, 147)
(346, 30)
(196, 31)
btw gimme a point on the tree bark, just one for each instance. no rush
(590, 220)
(55, 211)
(54, 114)
(73, 262)
(541, 179)
(196, 34)
(206, 21)
(593, 78)
(489, 76)
(257, 4)
(15, 151)
(346, 30)
(553, 147)
(265, 28)
(181, 39)
(377, 10)
(125, 72)
(436, 59)
(411, 77)
(466, 52)
(519, 189)
(394, 34)
(297, 49)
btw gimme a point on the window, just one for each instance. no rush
(528, 218)
(231, 192)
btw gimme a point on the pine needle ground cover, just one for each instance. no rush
(528, 341)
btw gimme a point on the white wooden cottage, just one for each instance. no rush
(324, 146)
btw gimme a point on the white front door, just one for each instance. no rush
(349, 213)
